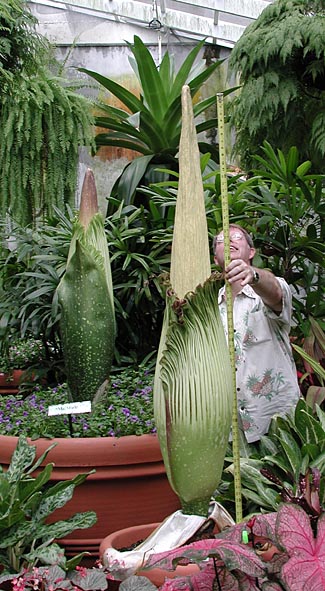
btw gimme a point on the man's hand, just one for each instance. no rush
(239, 274)
(238, 270)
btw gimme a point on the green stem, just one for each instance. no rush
(196, 507)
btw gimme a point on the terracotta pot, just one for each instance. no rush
(9, 382)
(125, 538)
(129, 487)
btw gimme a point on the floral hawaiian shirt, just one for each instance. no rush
(266, 376)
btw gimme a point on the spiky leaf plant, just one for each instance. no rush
(151, 124)
(86, 297)
(193, 383)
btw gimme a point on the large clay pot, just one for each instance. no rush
(129, 487)
(125, 538)
(9, 382)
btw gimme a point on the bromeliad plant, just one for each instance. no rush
(193, 382)
(85, 295)
(151, 124)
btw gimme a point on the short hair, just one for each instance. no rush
(248, 237)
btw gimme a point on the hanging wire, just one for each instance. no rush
(155, 22)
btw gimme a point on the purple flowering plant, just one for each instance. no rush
(21, 354)
(126, 409)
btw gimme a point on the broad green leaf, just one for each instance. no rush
(292, 450)
(127, 98)
(132, 176)
(184, 72)
(113, 139)
(30, 487)
(166, 74)
(60, 529)
(22, 458)
(154, 95)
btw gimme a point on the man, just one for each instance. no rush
(266, 376)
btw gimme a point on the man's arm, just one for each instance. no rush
(267, 287)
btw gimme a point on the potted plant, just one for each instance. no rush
(276, 551)
(130, 473)
(193, 389)
(21, 355)
(280, 544)
(27, 498)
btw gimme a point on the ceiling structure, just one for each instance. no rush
(221, 22)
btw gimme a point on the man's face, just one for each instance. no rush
(239, 247)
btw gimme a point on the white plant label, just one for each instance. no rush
(69, 408)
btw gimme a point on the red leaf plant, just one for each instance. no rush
(271, 552)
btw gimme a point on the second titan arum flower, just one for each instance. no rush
(193, 391)
(86, 297)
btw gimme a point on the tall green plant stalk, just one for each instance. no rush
(86, 297)
(193, 382)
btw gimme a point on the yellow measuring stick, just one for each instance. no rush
(229, 303)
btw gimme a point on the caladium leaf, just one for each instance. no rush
(213, 576)
(305, 568)
(234, 556)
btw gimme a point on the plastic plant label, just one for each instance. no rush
(69, 408)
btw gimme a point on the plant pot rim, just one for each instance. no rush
(130, 535)
(130, 449)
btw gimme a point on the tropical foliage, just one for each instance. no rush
(277, 551)
(280, 62)
(43, 122)
(286, 465)
(20, 45)
(26, 501)
(151, 124)
(32, 266)
(282, 204)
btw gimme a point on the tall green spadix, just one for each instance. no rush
(86, 297)
(193, 381)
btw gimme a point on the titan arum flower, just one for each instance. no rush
(86, 297)
(193, 390)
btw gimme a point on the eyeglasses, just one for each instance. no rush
(235, 236)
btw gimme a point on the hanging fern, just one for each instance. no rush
(43, 121)
(281, 63)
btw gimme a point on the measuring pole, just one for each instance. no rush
(229, 303)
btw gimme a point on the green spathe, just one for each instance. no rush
(193, 390)
(86, 297)
(195, 393)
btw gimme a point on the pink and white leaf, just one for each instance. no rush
(305, 568)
